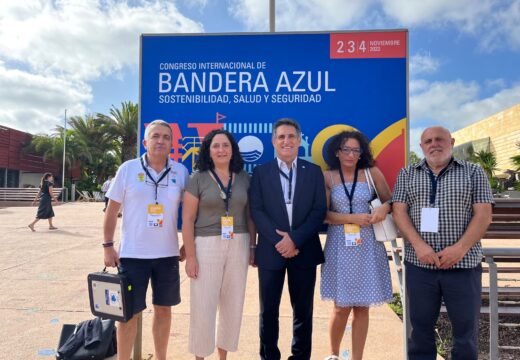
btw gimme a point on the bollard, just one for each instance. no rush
(138, 344)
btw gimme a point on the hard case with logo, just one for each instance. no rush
(110, 295)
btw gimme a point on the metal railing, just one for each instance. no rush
(490, 254)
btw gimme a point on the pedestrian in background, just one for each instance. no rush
(46, 197)
(104, 189)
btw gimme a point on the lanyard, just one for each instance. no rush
(225, 193)
(289, 179)
(350, 195)
(434, 180)
(156, 183)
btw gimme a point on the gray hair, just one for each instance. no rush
(157, 122)
(289, 122)
(437, 127)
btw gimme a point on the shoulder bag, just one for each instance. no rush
(386, 229)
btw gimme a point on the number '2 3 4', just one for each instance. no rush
(350, 47)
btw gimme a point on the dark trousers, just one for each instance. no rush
(301, 290)
(461, 290)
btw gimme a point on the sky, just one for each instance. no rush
(83, 55)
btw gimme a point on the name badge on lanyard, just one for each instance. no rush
(155, 212)
(430, 215)
(289, 208)
(352, 231)
(155, 216)
(288, 202)
(226, 222)
(352, 234)
(430, 220)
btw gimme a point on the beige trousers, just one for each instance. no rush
(221, 284)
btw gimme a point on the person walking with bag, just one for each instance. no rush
(355, 274)
(46, 196)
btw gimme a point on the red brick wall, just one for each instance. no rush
(12, 156)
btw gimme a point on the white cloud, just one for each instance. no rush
(418, 85)
(464, 13)
(441, 101)
(83, 39)
(299, 14)
(36, 103)
(457, 104)
(195, 4)
(415, 139)
(502, 28)
(253, 14)
(454, 105)
(423, 63)
(494, 23)
(63, 45)
(495, 83)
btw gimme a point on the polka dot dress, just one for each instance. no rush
(357, 275)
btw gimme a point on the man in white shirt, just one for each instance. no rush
(150, 188)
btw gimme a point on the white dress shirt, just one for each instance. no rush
(282, 166)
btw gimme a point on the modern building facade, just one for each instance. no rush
(18, 169)
(498, 133)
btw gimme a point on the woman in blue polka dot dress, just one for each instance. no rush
(355, 274)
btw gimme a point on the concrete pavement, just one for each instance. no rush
(43, 286)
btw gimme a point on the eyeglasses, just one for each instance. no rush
(348, 151)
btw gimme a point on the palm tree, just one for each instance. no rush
(516, 159)
(51, 146)
(488, 161)
(98, 152)
(121, 125)
(414, 158)
(98, 144)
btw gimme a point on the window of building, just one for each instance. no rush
(13, 178)
(2, 177)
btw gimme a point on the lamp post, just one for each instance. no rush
(272, 22)
(64, 147)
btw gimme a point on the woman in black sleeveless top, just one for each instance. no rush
(46, 197)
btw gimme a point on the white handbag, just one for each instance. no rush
(386, 229)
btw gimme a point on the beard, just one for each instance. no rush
(439, 159)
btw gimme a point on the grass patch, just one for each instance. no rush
(396, 305)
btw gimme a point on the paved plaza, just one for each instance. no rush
(43, 286)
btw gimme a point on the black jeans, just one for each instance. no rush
(461, 290)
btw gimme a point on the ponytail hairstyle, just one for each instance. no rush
(44, 178)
